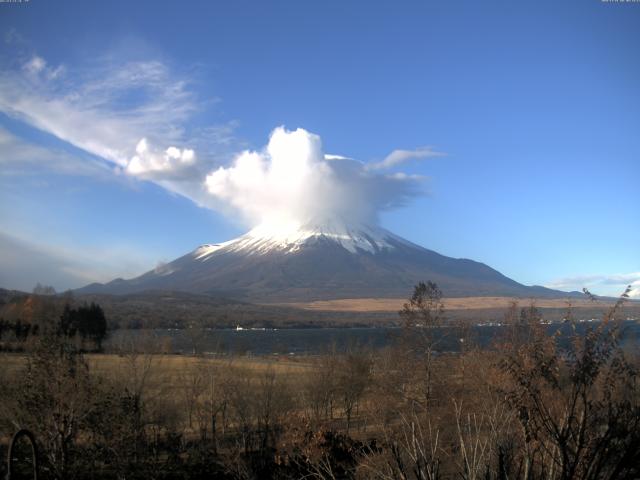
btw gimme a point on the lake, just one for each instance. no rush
(299, 341)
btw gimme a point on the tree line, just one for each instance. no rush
(25, 320)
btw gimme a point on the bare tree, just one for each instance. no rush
(353, 377)
(54, 401)
(196, 332)
(480, 438)
(193, 387)
(577, 406)
(410, 452)
(320, 388)
(421, 316)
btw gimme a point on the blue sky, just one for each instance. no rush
(533, 106)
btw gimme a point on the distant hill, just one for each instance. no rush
(7, 296)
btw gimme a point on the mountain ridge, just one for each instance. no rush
(320, 262)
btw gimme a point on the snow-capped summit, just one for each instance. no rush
(293, 237)
(288, 261)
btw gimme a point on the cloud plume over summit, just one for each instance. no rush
(292, 181)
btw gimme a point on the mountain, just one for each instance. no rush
(319, 261)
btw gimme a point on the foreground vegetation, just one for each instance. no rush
(533, 407)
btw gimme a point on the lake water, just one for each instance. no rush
(298, 341)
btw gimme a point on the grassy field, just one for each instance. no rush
(467, 303)
(169, 370)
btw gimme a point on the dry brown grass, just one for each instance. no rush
(180, 363)
(466, 303)
(169, 371)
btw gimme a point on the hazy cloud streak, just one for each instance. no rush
(21, 158)
(131, 114)
(613, 284)
(398, 157)
(105, 111)
(24, 263)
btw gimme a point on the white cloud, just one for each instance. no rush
(398, 157)
(601, 284)
(148, 163)
(35, 65)
(292, 180)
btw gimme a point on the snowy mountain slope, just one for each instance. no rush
(262, 239)
(319, 261)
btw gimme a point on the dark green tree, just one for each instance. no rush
(88, 321)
